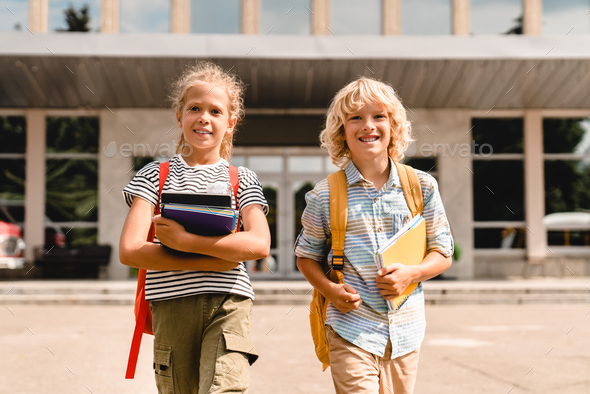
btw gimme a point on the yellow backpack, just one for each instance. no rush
(338, 218)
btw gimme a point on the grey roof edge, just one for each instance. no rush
(152, 45)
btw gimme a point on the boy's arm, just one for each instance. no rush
(135, 251)
(393, 279)
(251, 244)
(344, 297)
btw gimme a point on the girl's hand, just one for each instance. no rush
(345, 298)
(393, 279)
(168, 231)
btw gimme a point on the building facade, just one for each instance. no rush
(499, 120)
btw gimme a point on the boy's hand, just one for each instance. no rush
(168, 231)
(393, 279)
(345, 298)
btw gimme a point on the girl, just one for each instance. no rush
(201, 301)
(372, 349)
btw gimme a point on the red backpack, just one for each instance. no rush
(143, 314)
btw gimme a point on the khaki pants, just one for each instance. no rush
(202, 344)
(357, 371)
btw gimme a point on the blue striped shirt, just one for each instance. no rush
(374, 216)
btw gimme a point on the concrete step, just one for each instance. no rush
(573, 290)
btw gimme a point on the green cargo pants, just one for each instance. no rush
(202, 344)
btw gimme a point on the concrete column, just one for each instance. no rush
(38, 16)
(534, 185)
(155, 131)
(250, 16)
(449, 138)
(320, 17)
(110, 16)
(461, 18)
(392, 17)
(180, 16)
(35, 182)
(532, 11)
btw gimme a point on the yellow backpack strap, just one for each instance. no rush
(411, 188)
(338, 218)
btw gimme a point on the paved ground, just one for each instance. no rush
(468, 349)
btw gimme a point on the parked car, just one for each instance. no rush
(12, 246)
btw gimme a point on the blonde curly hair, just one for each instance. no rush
(349, 99)
(211, 73)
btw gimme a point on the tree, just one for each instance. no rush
(77, 20)
(516, 29)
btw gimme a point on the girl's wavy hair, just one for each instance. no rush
(207, 72)
(349, 99)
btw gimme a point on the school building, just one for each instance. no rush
(501, 120)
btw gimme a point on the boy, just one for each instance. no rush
(372, 349)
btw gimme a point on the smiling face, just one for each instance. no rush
(205, 120)
(367, 132)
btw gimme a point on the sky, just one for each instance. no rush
(419, 17)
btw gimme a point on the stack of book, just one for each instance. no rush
(407, 246)
(201, 214)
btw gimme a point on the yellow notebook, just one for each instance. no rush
(408, 247)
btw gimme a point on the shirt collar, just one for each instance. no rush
(353, 175)
(185, 164)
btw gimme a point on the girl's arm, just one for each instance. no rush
(251, 244)
(135, 251)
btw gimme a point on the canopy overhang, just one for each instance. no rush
(93, 70)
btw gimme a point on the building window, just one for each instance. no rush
(285, 17)
(565, 17)
(57, 13)
(12, 169)
(145, 16)
(71, 181)
(426, 17)
(356, 17)
(215, 17)
(566, 144)
(496, 17)
(498, 183)
(17, 18)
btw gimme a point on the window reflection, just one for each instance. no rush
(57, 18)
(17, 18)
(311, 164)
(566, 135)
(424, 17)
(268, 164)
(148, 16)
(285, 17)
(495, 16)
(565, 17)
(356, 17)
(215, 17)
(72, 134)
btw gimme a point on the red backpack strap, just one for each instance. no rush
(143, 315)
(235, 184)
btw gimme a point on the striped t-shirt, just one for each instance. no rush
(373, 217)
(162, 285)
